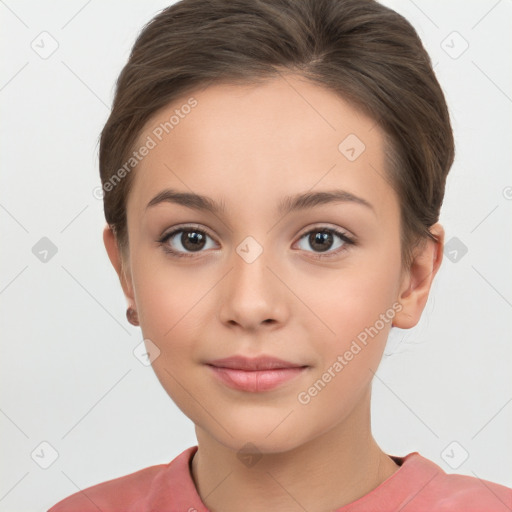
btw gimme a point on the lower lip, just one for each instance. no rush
(256, 380)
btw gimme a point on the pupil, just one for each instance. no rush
(193, 238)
(323, 239)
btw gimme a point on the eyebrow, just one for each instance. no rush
(289, 204)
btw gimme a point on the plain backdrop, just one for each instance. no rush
(78, 408)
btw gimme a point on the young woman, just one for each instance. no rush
(273, 174)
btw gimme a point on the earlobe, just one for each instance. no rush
(418, 280)
(115, 256)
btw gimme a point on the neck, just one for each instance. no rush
(324, 473)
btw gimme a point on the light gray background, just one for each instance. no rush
(69, 377)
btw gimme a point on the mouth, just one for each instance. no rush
(255, 374)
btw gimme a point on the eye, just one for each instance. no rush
(324, 239)
(185, 241)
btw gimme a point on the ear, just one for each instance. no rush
(417, 280)
(120, 266)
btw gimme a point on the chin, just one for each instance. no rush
(267, 436)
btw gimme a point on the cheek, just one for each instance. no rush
(171, 310)
(174, 305)
(168, 296)
(169, 306)
(360, 313)
(358, 308)
(354, 299)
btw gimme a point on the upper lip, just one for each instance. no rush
(256, 363)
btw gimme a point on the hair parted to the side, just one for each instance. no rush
(365, 52)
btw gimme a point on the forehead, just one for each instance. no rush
(260, 142)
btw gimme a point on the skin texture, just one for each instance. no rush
(250, 146)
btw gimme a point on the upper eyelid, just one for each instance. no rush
(326, 227)
(186, 227)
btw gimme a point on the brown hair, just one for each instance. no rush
(365, 52)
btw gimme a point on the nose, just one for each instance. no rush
(252, 296)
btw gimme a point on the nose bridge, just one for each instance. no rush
(250, 265)
(253, 293)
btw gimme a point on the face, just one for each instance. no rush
(315, 285)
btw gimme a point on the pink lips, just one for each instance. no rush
(254, 375)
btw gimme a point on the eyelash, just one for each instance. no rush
(348, 241)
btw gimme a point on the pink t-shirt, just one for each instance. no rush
(418, 485)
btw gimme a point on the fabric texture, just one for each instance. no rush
(418, 485)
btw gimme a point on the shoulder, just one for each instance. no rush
(123, 493)
(443, 492)
(111, 495)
